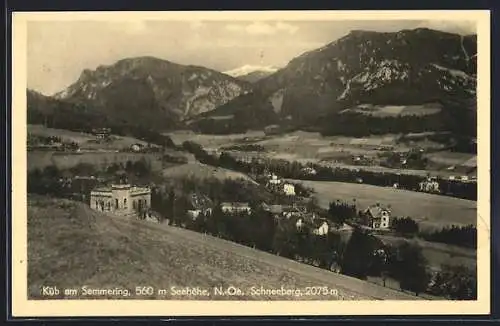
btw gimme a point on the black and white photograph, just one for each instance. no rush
(302, 158)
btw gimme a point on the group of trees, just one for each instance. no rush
(245, 148)
(57, 182)
(405, 226)
(37, 141)
(357, 124)
(455, 282)
(464, 236)
(340, 212)
(83, 120)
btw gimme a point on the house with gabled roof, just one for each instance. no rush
(377, 217)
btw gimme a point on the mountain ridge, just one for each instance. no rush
(382, 68)
(152, 90)
(408, 67)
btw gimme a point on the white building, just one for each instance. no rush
(289, 189)
(122, 199)
(236, 207)
(274, 180)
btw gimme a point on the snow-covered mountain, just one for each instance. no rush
(247, 69)
(252, 74)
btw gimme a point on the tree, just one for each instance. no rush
(405, 226)
(358, 254)
(339, 212)
(410, 268)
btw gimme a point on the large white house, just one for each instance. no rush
(122, 199)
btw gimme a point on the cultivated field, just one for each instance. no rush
(84, 140)
(429, 210)
(202, 171)
(70, 245)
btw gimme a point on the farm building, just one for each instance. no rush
(377, 217)
(199, 204)
(236, 207)
(122, 199)
(101, 133)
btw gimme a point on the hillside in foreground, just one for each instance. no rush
(70, 245)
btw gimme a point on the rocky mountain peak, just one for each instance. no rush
(151, 87)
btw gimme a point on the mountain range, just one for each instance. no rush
(409, 67)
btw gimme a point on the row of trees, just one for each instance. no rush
(464, 236)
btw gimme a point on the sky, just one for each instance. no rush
(58, 51)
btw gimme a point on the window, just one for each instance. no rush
(116, 203)
(125, 202)
(109, 206)
(134, 204)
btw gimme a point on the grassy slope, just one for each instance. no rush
(430, 210)
(69, 246)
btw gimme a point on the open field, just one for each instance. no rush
(305, 147)
(84, 140)
(203, 171)
(70, 245)
(431, 211)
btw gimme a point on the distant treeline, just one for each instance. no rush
(83, 120)
(457, 117)
(296, 170)
(463, 236)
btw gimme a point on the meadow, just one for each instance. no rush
(199, 170)
(70, 245)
